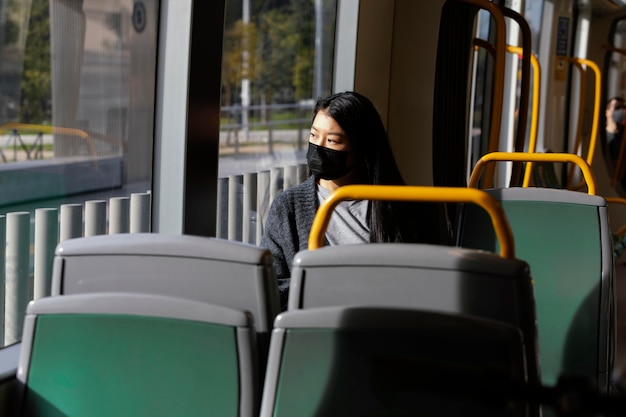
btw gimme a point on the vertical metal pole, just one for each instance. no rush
(245, 65)
(17, 274)
(119, 215)
(303, 173)
(250, 215)
(71, 221)
(46, 239)
(318, 48)
(276, 182)
(270, 137)
(235, 207)
(262, 202)
(222, 209)
(202, 131)
(300, 126)
(3, 234)
(140, 213)
(95, 217)
(291, 176)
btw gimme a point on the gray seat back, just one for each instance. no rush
(103, 354)
(436, 278)
(222, 272)
(390, 361)
(565, 238)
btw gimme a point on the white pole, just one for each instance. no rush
(245, 63)
(46, 239)
(71, 221)
(95, 217)
(119, 216)
(318, 48)
(140, 213)
(17, 274)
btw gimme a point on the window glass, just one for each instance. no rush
(483, 61)
(616, 70)
(479, 120)
(76, 100)
(533, 14)
(77, 88)
(612, 135)
(277, 59)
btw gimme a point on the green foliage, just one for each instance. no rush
(36, 80)
(237, 39)
(11, 32)
(304, 73)
(280, 45)
(275, 51)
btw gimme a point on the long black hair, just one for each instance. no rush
(374, 161)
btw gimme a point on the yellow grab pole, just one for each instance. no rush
(532, 143)
(417, 194)
(535, 157)
(51, 129)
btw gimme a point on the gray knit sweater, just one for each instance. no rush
(288, 226)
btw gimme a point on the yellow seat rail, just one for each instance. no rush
(416, 194)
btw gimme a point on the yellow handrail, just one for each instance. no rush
(579, 125)
(524, 96)
(534, 120)
(534, 157)
(596, 101)
(51, 129)
(596, 107)
(418, 194)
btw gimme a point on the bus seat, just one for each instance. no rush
(222, 272)
(391, 361)
(565, 238)
(119, 354)
(430, 277)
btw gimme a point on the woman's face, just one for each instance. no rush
(334, 166)
(326, 132)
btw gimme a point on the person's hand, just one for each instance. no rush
(615, 110)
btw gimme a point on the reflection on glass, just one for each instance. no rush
(77, 90)
(76, 93)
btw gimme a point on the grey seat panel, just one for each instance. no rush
(210, 270)
(436, 278)
(94, 355)
(447, 279)
(390, 361)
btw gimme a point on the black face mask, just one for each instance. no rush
(327, 164)
(618, 116)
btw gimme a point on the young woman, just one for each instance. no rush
(348, 144)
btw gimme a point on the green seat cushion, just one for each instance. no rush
(116, 365)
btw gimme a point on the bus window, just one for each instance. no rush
(615, 91)
(77, 93)
(77, 90)
(277, 59)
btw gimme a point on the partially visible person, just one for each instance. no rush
(614, 115)
(348, 144)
